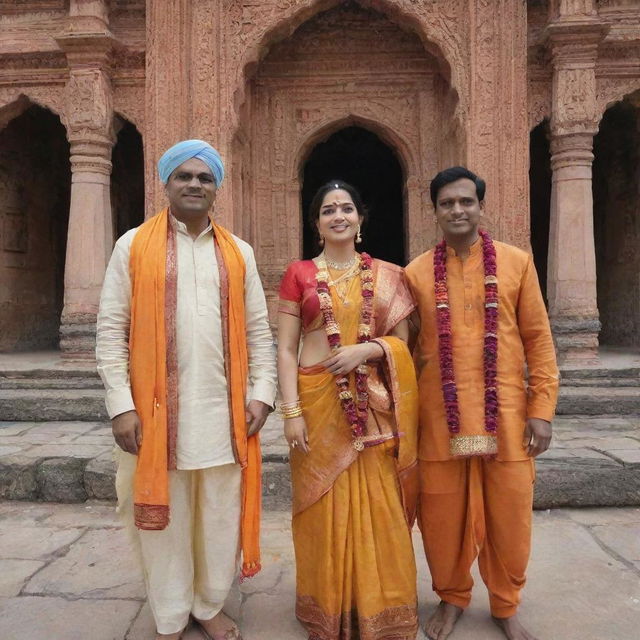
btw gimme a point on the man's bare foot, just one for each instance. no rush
(512, 628)
(220, 627)
(169, 636)
(441, 623)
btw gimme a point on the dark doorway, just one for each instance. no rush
(127, 179)
(360, 158)
(540, 198)
(35, 187)
(616, 222)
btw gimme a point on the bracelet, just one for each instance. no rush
(291, 409)
(294, 414)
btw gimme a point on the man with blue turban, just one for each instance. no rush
(186, 355)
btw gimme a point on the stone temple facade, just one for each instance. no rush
(540, 97)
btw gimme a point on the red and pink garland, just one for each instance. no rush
(443, 322)
(355, 411)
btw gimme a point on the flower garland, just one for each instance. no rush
(443, 322)
(355, 411)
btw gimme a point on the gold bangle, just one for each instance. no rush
(292, 414)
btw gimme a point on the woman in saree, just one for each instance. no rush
(349, 399)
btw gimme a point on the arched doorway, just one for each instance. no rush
(360, 158)
(616, 210)
(127, 178)
(540, 198)
(35, 187)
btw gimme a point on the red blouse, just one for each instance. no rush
(392, 302)
(298, 295)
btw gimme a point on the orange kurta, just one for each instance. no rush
(523, 333)
(479, 506)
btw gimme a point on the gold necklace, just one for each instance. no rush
(340, 266)
(342, 283)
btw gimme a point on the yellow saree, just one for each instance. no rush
(352, 512)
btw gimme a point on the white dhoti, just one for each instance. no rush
(189, 567)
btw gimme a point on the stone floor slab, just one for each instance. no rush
(8, 449)
(622, 539)
(8, 429)
(99, 566)
(69, 450)
(90, 514)
(15, 574)
(35, 542)
(627, 456)
(603, 516)
(56, 428)
(41, 618)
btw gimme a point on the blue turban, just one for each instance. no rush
(172, 158)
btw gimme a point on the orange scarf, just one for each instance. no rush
(153, 268)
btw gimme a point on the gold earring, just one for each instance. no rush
(358, 236)
(321, 241)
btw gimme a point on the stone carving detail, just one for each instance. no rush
(129, 102)
(575, 105)
(89, 102)
(611, 90)
(253, 24)
(539, 101)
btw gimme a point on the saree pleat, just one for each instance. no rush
(356, 574)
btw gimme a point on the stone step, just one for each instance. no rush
(600, 382)
(572, 481)
(50, 383)
(594, 461)
(52, 404)
(50, 378)
(47, 404)
(588, 373)
(599, 401)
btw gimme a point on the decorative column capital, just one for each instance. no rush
(572, 150)
(573, 41)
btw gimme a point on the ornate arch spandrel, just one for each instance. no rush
(612, 90)
(15, 100)
(254, 28)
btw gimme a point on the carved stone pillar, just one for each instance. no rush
(167, 89)
(87, 43)
(573, 39)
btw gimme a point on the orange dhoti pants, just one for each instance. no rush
(477, 508)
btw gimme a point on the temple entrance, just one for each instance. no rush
(375, 110)
(360, 158)
(127, 178)
(35, 187)
(540, 199)
(616, 210)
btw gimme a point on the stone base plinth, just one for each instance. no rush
(78, 336)
(576, 340)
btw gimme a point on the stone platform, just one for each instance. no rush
(56, 444)
(68, 572)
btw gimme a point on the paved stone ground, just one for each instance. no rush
(68, 574)
(594, 461)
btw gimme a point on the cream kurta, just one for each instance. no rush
(203, 411)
